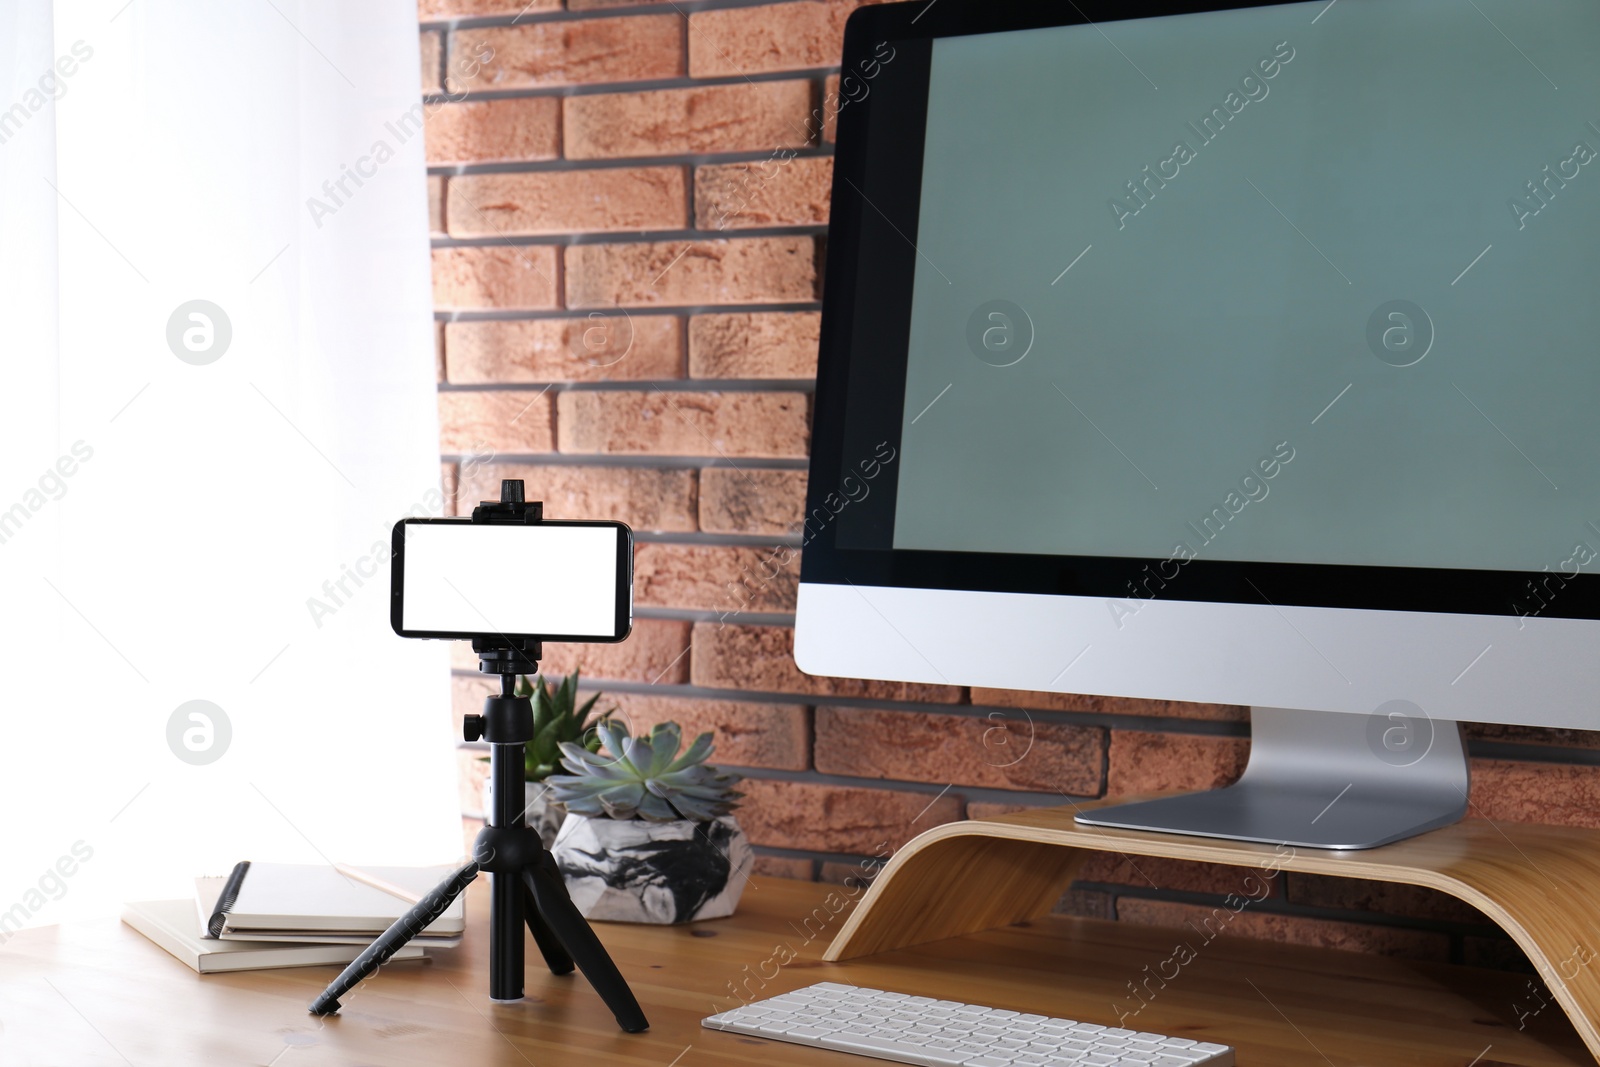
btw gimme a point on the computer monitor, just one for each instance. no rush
(1224, 352)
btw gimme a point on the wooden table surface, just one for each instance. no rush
(92, 994)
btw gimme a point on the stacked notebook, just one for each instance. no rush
(290, 915)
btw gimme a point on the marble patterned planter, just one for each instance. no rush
(630, 870)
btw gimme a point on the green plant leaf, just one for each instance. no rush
(699, 751)
(665, 740)
(638, 753)
(615, 775)
(556, 719)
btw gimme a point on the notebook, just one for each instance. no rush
(318, 903)
(172, 925)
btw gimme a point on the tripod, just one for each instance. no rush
(525, 884)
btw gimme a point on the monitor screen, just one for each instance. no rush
(1214, 350)
(1302, 284)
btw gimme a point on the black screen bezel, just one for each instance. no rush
(866, 309)
(623, 623)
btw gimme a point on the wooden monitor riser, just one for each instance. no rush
(1541, 884)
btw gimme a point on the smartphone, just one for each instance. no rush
(545, 581)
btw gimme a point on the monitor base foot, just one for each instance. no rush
(1322, 780)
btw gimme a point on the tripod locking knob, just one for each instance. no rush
(472, 727)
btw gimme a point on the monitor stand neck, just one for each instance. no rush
(1320, 779)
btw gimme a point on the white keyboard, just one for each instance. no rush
(944, 1033)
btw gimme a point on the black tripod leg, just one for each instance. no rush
(554, 955)
(409, 925)
(572, 929)
(505, 937)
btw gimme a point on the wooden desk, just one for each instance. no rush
(93, 994)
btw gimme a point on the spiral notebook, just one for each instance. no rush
(321, 903)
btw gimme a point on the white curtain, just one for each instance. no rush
(218, 396)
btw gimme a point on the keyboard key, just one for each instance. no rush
(774, 1027)
(908, 1051)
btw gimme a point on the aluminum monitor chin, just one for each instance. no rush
(1222, 353)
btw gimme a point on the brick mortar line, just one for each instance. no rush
(716, 540)
(560, 281)
(486, 22)
(1169, 725)
(1130, 723)
(979, 793)
(1556, 755)
(1533, 752)
(748, 618)
(551, 405)
(506, 315)
(966, 793)
(640, 85)
(685, 47)
(639, 385)
(680, 159)
(443, 65)
(641, 460)
(690, 173)
(585, 238)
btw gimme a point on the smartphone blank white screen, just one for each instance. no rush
(473, 578)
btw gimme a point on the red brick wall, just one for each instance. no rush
(662, 170)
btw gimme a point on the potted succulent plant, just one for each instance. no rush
(558, 719)
(649, 834)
